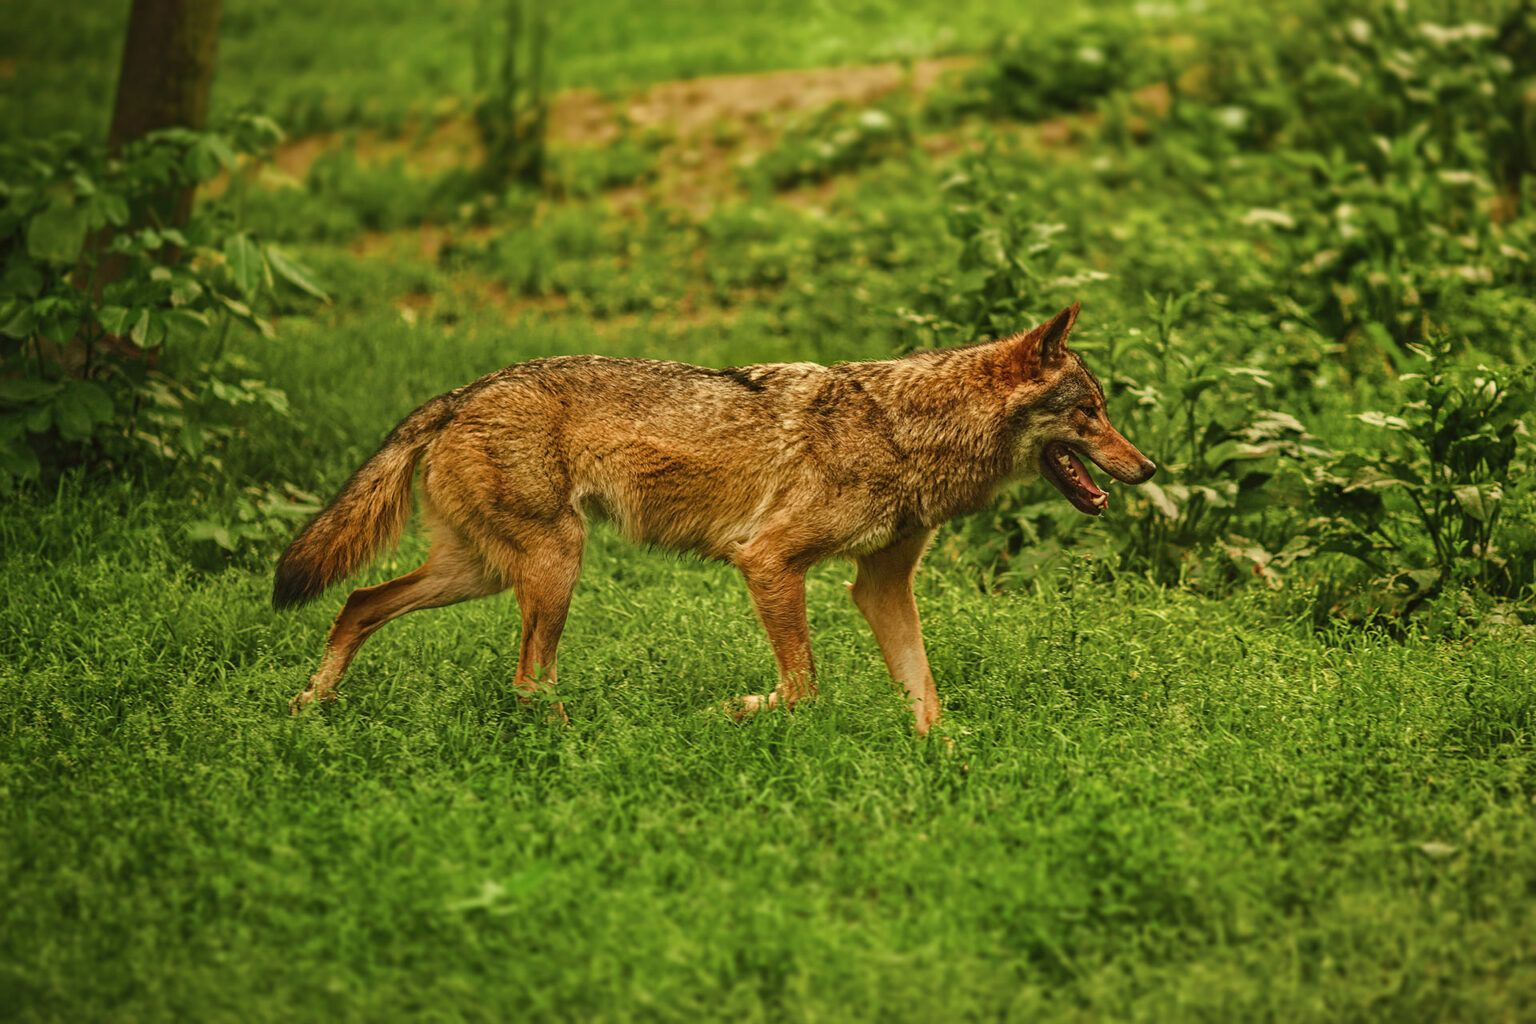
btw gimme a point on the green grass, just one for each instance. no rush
(1156, 806)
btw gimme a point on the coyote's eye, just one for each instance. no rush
(1088, 410)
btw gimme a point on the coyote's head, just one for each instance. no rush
(1058, 406)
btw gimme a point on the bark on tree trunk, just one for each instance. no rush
(166, 73)
(164, 82)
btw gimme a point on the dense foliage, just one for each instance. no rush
(114, 319)
(1353, 244)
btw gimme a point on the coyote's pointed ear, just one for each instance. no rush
(1053, 336)
(1047, 344)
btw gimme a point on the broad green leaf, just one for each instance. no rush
(207, 155)
(183, 325)
(235, 306)
(57, 234)
(1271, 421)
(18, 322)
(60, 328)
(21, 391)
(207, 529)
(191, 440)
(139, 332)
(1373, 478)
(115, 319)
(1194, 388)
(1160, 500)
(1381, 419)
(200, 163)
(245, 262)
(284, 507)
(185, 288)
(17, 459)
(108, 208)
(91, 397)
(1260, 377)
(294, 273)
(1269, 218)
(72, 417)
(21, 277)
(1479, 502)
(149, 329)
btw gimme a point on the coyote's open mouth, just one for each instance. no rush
(1064, 469)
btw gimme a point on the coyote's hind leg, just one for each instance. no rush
(451, 573)
(544, 569)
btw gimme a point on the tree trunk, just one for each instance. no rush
(165, 78)
(164, 82)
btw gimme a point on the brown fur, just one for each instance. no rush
(771, 468)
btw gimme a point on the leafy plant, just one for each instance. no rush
(1411, 137)
(1219, 504)
(835, 139)
(1010, 263)
(1426, 511)
(1063, 65)
(113, 324)
(254, 514)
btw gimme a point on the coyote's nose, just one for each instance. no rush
(1145, 470)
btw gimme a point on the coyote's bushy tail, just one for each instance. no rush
(368, 514)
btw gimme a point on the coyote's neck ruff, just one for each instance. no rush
(771, 468)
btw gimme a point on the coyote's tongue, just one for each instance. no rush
(1071, 477)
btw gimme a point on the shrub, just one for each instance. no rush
(1426, 509)
(1399, 241)
(113, 325)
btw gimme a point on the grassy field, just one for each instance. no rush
(1156, 806)
(1211, 757)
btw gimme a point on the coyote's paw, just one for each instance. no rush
(309, 696)
(740, 707)
(531, 695)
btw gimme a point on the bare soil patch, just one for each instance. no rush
(751, 105)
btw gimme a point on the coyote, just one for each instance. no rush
(771, 468)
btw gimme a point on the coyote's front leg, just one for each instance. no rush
(883, 592)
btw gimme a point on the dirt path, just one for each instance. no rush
(705, 128)
(687, 112)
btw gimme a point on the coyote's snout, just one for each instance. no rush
(1061, 460)
(771, 468)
